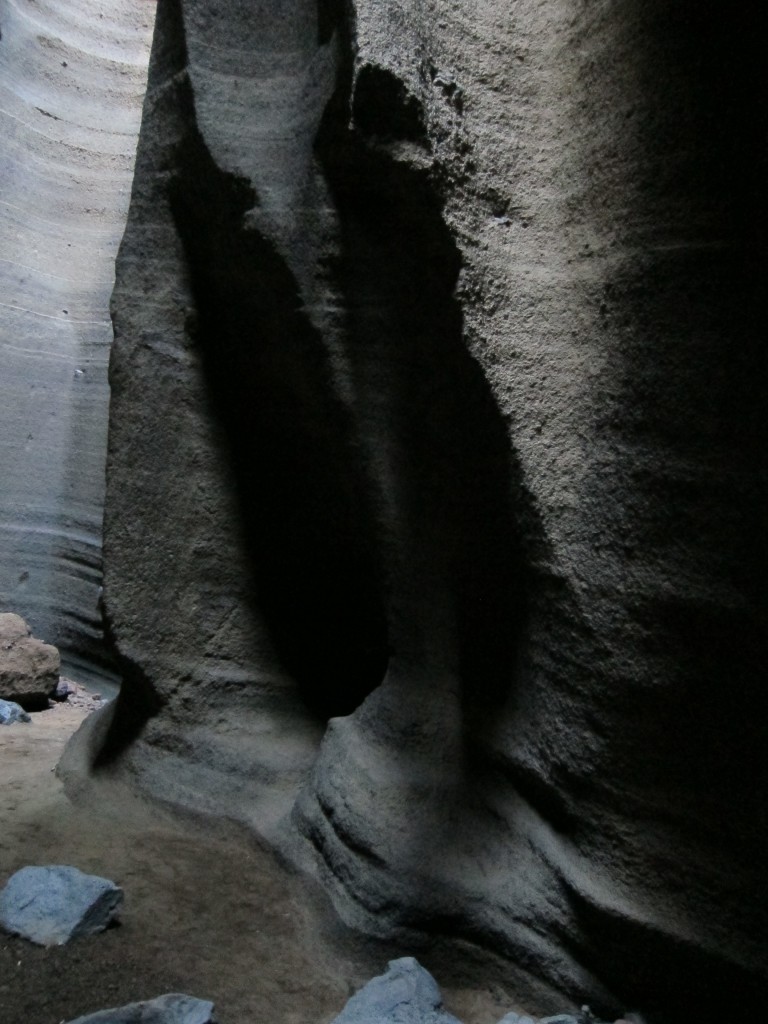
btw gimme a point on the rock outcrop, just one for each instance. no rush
(29, 668)
(436, 475)
(72, 79)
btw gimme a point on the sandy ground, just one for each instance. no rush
(211, 914)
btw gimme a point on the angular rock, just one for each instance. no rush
(174, 1008)
(11, 713)
(405, 994)
(29, 668)
(52, 905)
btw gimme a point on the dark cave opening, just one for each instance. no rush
(305, 518)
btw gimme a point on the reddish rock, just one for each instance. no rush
(29, 668)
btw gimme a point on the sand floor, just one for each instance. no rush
(207, 911)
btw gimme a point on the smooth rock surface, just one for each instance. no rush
(173, 1008)
(72, 79)
(29, 668)
(52, 905)
(405, 994)
(437, 473)
(11, 713)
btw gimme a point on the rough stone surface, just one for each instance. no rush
(52, 905)
(10, 713)
(12, 628)
(173, 1008)
(29, 668)
(72, 78)
(437, 472)
(404, 994)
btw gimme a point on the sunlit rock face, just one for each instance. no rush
(434, 535)
(72, 78)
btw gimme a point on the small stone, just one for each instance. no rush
(10, 713)
(64, 689)
(516, 1018)
(54, 904)
(174, 1008)
(405, 994)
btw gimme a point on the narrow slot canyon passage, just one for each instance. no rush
(72, 79)
(425, 425)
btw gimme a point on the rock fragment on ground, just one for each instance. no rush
(174, 1008)
(29, 668)
(405, 994)
(78, 696)
(52, 905)
(64, 689)
(10, 713)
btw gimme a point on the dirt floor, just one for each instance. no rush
(210, 914)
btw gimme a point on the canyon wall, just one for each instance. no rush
(72, 78)
(434, 540)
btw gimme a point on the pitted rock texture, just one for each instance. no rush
(29, 668)
(436, 477)
(72, 78)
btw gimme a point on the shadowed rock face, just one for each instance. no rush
(71, 81)
(434, 543)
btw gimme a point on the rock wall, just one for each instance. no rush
(434, 540)
(72, 78)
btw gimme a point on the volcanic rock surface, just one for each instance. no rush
(434, 538)
(72, 78)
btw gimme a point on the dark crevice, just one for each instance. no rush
(382, 107)
(670, 974)
(422, 395)
(136, 703)
(305, 521)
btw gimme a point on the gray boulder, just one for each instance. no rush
(29, 668)
(11, 713)
(173, 1008)
(52, 905)
(405, 994)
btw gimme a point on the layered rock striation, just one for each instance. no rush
(436, 486)
(72, 78)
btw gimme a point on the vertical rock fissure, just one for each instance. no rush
(304, 516)
(436, 445)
